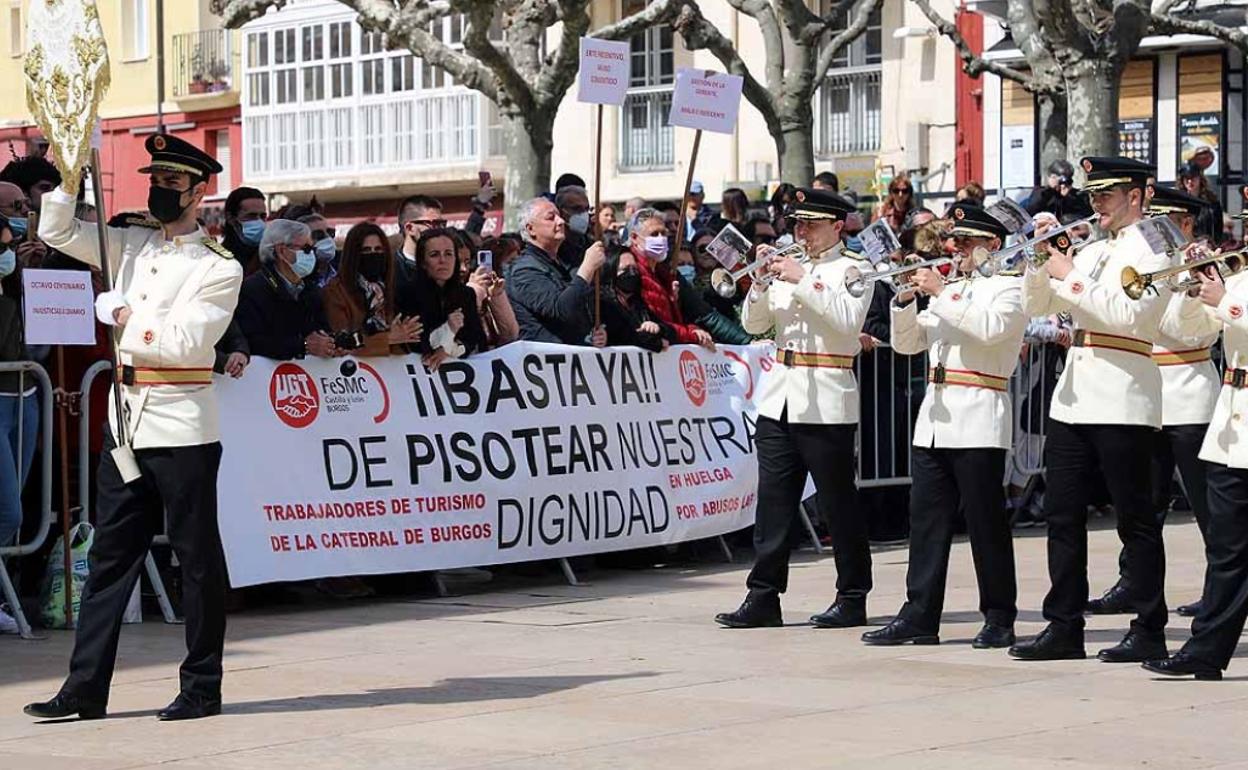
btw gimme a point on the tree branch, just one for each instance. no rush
(972, 63)
(479, 14)
(1171, 25)
(700, 34)
(236, 13)
(862, 17)
(773, 39)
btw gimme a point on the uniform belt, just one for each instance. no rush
(939, 375)
(1087, 339)
(1236, 378)
(1177, 357)
(816, 360)
(144, 376)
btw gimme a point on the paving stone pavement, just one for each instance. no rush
(630, 672)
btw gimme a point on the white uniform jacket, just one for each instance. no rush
(1110, 376)
(1189, 380)
(182, 294)
(817, 325)
(972, 332)
(1226, 442)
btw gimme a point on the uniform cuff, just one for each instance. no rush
(107, 304)
(1230, 309)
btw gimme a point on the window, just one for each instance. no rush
(646, 141)
(258, 89)
(313, 84)
(17, 45)
(340, 81)
(431, 77)
(134, 29)
(258, 49)
(373, 77)
(287, 85)
(284, 51)
(313, 43)
(340, 40)
(403, 73)
(847, 105)
(225, 158)
(371, 43)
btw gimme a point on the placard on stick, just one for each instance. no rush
(604, 71)
(60, 307)
(708, 101)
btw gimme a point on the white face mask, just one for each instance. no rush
(8, 262)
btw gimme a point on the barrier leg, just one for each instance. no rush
(10, 596)
(810, 527)
(158, 585)
(723, 545)
(568, 574)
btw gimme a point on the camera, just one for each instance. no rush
(349, 340)
(373, 326)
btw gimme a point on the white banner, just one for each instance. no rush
(706, 100)
(604, 75)
(60, 307)
(534, 451)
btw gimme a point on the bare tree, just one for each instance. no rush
(1076, 51)
(517, 74)
(800, 46)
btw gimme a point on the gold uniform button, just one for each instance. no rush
(142, 296)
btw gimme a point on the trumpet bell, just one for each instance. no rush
(1134, 283)
(723, 283)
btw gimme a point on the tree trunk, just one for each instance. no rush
(528, 163)
(1092, 109)
(795, 148)
(1052, 130)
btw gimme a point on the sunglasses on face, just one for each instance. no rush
(903, 191)
(328, 232)
(430, 222)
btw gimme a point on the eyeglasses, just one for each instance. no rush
(429, 222)
(328, 232)
(903, 190)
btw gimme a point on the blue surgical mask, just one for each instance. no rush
(305, 262)
(688, 272)
(19, 226)
(656, 247)
(253, 231)
(326, 249)
(579, 223)
(8, 262)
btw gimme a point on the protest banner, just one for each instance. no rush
(59, 307)
(533, 451)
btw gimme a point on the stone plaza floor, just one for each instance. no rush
(629, 671)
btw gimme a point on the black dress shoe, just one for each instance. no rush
(1189, 610)
(754, 612)
(898, 632)
(1136, 647)
(1182, 664)
(841, 615)
(993, 637)
(188, 706)
(1115, 601)
(1050, 645)
(66, 705)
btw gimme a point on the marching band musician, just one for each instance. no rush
(175, 294)
(1224, 605)
(972, 331)
(808, 415)
(1105, 408)
(1189, 390)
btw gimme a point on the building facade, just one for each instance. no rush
(200, 100)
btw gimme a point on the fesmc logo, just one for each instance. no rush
(716, 377)
(297, 401)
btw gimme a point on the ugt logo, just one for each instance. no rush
(293, 395)
(693, 377)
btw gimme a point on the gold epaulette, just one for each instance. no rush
(135, 220)
(855, 256)
(212, 245)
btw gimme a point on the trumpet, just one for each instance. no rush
(1002, 258)
(856, 283)
(725, 282)
(1137, 284)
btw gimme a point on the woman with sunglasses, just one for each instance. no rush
(899, 202)
(360, 300)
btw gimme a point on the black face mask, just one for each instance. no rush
(165, 204)
(373, 267)
(628, 280)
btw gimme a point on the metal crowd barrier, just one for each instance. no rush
(45, 492)
(84, 486)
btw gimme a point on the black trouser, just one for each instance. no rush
(180, 482)
(943, 481)
(786, 453)
(1177, 445)
(1123, 454)
(1224, 605)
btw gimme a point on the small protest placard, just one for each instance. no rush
(879, 242)
(1161, 235)
(604, 71)
(706, 100)
(1015, 218)
(60, 307)
(730, 248)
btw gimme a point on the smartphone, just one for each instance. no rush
(485, 259)
(483, 178)
(32, 226)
